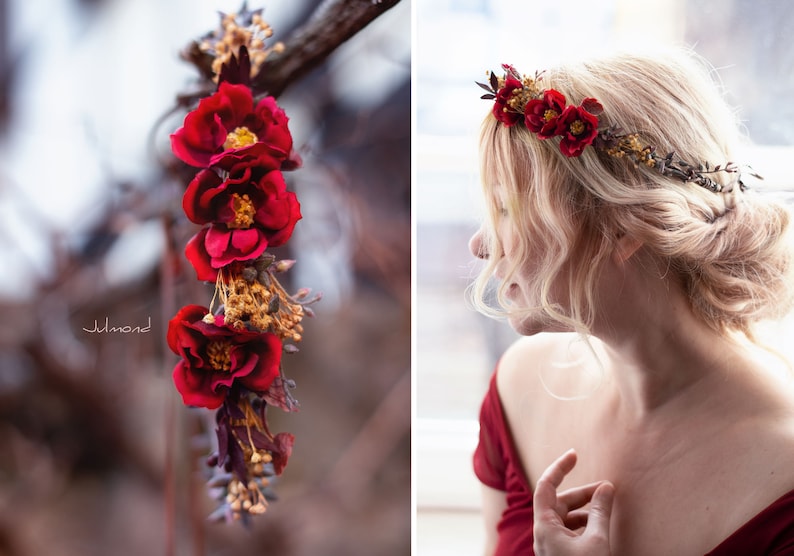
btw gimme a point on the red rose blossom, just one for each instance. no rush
(248, 212)
(501, 110)
(543, 116)
(216, 357)
(579, 129)
(226, 130)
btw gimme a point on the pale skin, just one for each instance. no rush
(685, 436)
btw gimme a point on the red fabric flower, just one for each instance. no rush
(248, 212)
(226, 131)
(579, 129)
(543, 116)
(216, 357)
(216, 246)
(501, 110)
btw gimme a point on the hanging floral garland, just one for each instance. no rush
(231, 350)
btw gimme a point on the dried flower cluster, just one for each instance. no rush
(545, 112)
(231, 354)
(243, 29)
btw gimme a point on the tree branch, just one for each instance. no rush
(332, 24)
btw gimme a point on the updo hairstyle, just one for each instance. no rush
(729, 250)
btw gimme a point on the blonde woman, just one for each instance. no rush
(635, 417)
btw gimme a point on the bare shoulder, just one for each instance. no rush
(524, 368)
(548, 385)
(523, 355)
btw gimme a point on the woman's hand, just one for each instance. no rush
(559, 518)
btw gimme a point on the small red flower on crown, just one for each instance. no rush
(542, 116)
(501, 109)
(578, 128)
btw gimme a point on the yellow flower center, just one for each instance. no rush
(576, 127)
(550, 114)
(240, 137)
(219, 354)
(244, 212)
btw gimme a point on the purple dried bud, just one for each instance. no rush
(264, 262)
(249, 274)
(315, 298)
(302, 293)
(284, 265)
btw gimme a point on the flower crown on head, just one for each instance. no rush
(546, 114)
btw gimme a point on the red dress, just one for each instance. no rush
(497, 465)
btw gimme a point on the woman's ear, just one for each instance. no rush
(625, 247)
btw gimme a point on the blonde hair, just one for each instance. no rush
(729, 250)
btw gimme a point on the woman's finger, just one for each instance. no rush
(545, 497)
(576, 497)
(576, 519)
(600, 511)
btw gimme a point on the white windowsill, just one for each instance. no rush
(447, 492)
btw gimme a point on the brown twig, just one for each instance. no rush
(332, 24)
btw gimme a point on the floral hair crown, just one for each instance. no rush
(545, 113)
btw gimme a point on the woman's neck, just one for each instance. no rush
(659, 353)
(657, 373)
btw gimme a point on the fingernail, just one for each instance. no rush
(606, 489)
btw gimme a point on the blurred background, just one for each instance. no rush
(99, 456)
(456, 43)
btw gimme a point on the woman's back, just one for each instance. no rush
(687, 475)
